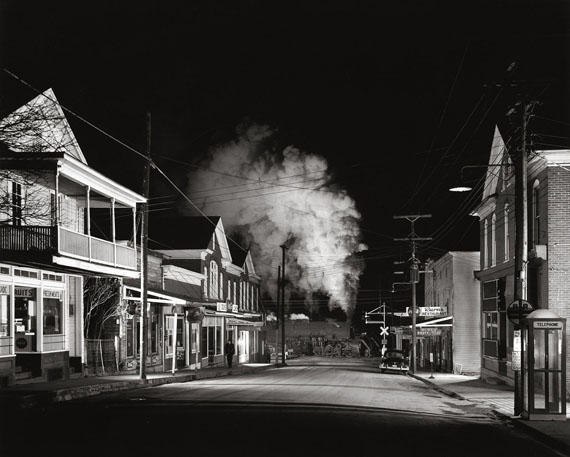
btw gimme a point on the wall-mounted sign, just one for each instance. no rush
(24, 292)
(235, 309)
(53, 293)
(4, 290)
(222, 307)
(546, 324)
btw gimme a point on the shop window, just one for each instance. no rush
(204, 342)
(219, 339)
(130, 338)
(4, 312)
(53, 318)
(154, 332)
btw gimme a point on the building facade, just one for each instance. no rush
(545, 275)
(452, 295)
(50, 200)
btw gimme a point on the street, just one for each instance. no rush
(312, 407)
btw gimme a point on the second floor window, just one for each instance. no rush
(486, 244)
(493, 241)
(16, 203)
(535, 214)
(213, 280)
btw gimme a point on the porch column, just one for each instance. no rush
(55, 235)
(88, 209)
(113, 237)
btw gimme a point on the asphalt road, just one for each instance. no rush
(314, 407)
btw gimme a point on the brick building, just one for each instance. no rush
(547, 285)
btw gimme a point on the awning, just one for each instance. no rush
(441, 322)
(132, 293)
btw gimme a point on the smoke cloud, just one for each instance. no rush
(270, 196)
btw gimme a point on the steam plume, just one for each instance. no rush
(271, 197)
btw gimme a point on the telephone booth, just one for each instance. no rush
(545, 371)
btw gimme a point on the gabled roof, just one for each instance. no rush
(40, 126)
(497, 156)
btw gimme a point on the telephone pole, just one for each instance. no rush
(519, 157)
(144, 257)
(283, 248)
(414, 275)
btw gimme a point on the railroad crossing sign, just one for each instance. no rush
(384, 331)
(518, 310)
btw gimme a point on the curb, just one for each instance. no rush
(537, 434)
(30, 400)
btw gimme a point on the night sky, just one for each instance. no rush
(396, 96)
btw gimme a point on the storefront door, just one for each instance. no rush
(25, 319)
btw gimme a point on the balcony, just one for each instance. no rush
(58, 240)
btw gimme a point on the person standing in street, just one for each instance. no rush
(230, 351)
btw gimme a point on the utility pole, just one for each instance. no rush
(519, 157)
(414, 275)
(283, 248)
(144, 259)
(277, 313)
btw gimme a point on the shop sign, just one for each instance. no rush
(235, 309)
(50, 293)
(433, 311)
(24, 292)
(547, 324)
(428, 331)
(4, 290)
(222, 307)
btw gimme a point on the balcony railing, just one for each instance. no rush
(72, 244)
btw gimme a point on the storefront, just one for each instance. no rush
(40, 324)
(172, 341)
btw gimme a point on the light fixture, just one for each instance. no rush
(460, 189)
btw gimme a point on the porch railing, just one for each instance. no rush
(45, 239)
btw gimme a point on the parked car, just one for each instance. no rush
(395, 360)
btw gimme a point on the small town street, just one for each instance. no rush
(312, 407)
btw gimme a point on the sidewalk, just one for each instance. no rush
(30, 395)
(500, 399)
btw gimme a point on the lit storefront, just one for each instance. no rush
(40, 324)
(172, 332)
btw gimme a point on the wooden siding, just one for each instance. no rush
(466, 312)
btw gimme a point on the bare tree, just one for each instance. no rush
(102, 301)
(37, 127)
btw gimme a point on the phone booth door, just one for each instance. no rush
(546, 367)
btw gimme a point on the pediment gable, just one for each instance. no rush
(40, 126)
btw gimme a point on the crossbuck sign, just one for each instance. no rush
(384, 331)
